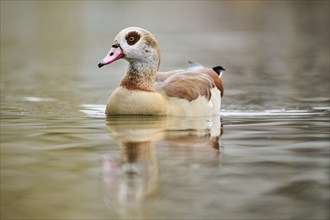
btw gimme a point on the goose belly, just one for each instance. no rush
(133, 102)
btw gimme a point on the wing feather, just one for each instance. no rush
(187, 85)
(191, 83)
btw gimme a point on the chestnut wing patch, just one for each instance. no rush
(188, 85)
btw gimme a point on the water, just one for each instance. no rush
(265, 156)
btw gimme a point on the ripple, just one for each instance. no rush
(38, 99)
(93, 110)
(275, 112)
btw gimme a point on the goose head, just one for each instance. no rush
(136, 45)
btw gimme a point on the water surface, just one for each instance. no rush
(265, 156)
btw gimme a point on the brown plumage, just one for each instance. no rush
(190, 83)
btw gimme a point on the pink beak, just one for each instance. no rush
(115, 53)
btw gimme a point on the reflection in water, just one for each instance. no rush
(133, 177)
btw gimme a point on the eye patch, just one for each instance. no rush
(132, 37)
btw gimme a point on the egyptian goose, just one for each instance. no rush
(196, 91)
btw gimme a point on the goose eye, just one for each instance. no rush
(132, 37)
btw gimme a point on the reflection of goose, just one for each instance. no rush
(134, 176)
(196, 91)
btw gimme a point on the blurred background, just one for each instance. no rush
(58, 160)
(276, 53)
